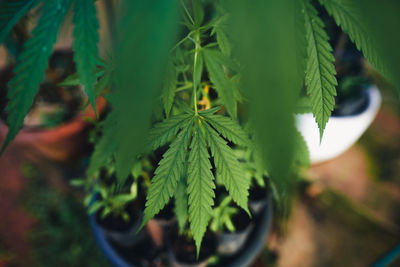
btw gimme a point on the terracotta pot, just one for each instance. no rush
(62, 143)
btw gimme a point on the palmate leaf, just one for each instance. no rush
(223, 85)
(164, 131)
(85, 45)
(228, 168)
(200, 185)
(10, 13)
(348, 16)
(228, 128)
(170, 170)
(31, 65)
(320, 69)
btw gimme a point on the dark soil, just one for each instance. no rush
(184, 249)
(241, 221)
(258, 193)
(117, 223)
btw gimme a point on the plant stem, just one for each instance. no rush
(196, 54)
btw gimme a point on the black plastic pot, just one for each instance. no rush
(248, 253)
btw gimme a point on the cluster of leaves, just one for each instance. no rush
(279, 46)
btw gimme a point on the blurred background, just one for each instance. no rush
(345, 211)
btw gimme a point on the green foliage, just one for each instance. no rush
(181, 204)
(228, 128)
(348, 15)
(222, 83)
(169, 87)
(105, 147)
(264, 35)
(168, 174)
(85, 45)
(320, 71)
(140, 59)
(200, 185)
(229, 171)
(163, 132)
(11, 11)
(28, 72)
(222, 216)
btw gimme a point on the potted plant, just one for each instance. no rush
(196, 83)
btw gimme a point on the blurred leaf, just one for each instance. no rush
(265, 38)
(169, 87)
(85, 45)
(10, 13)
(373, 26)
(146, 34)
(222, 84)
(31, 65)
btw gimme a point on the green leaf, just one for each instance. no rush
(264, 35)
(74, 79)
(348, 15)
(167, 175)
(85, 45)
(164, 131)
(223, 41)
(181, 204)
(228, 128)
(169, 87)
(105, 147)
(223, 85)
(320, 70)
(228, 168)
(198, 12)
(148, 30)
(29, 70)
(302, 154)
(10, 13)
(200, 186)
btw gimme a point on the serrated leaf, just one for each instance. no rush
(169, 87)
(228, 168)
(11, 11)
(166, 177)
(320, 69)
(201, 186)
(221, 82)
(181, 204)
(228, 128)
(29, 70)
(85, 45)
(164, 131)
(348, 16)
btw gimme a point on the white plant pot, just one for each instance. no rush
(340, 132)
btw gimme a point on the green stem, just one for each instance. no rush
(196, 54)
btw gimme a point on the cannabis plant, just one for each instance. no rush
(203, 57)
